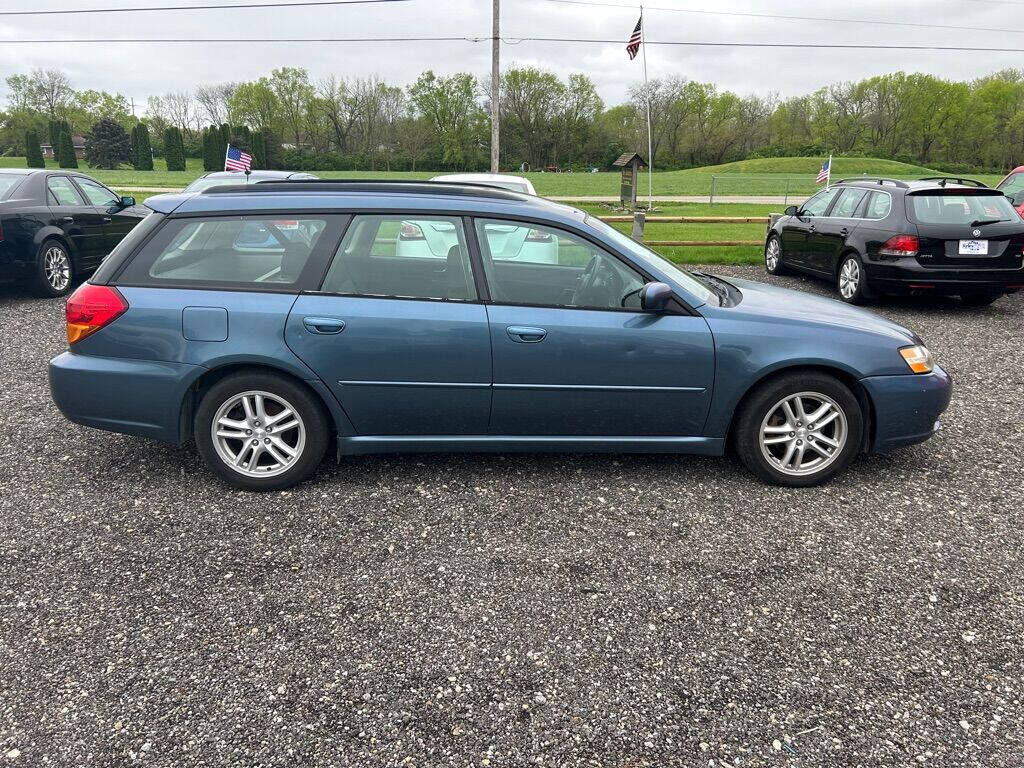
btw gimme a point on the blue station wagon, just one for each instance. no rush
(268, 323)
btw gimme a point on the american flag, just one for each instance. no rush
(635, 39)
(826, 170)
(237, 160)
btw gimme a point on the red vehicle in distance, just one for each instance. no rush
(1012, 186)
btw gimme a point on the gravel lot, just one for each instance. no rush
(515, 610)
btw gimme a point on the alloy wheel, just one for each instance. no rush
(803, 433)
(57, 268)
(771, 254)
(258, 434)
(849, 278)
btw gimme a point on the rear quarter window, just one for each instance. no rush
(265, 252)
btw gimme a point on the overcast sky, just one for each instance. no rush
(142, 70)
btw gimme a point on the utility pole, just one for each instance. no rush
(495, 83)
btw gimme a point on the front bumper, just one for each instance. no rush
(906, 275)
(134, 397)
(907, 407)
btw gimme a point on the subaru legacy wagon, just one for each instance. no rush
(268, 351)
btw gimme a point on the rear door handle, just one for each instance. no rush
(325, 326)
(812, 229)
(844, 231)
(524, 334)
(107, 219)
(68, 219)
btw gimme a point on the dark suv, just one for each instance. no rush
(883, 236)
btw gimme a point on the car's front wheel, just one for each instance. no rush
(54, 270)
(799, 429)
(260, 431)
(773, 257)
(852, 281)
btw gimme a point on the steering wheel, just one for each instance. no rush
(586, 280)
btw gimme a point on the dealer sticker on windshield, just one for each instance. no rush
(974, 247)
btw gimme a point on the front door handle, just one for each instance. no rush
(811, 229)
(325, 326)
(523, 334)
(68, 219)
(844, 231)
(107, 219)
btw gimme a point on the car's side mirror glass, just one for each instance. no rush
(792, 211)
(654, 297)
(127, 201)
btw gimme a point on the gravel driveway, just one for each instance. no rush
(515, 610)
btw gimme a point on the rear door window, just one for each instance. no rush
(224, 251)
(415, 257)
(966, 209)
(848, 202)
(60, 191)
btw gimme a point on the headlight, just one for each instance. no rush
(918, 358)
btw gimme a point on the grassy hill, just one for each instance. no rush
(809, 166)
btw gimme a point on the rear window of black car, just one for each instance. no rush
(263, 252)
(8, 181)
(967, 209)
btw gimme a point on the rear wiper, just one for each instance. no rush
(982, 222)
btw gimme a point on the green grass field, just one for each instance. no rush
(770, 176)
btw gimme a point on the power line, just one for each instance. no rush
(515, 41)
(219, 6)
(787, 17)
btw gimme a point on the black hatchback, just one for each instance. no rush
(878, 236)
(57, 225)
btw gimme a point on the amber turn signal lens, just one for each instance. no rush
(918, 358)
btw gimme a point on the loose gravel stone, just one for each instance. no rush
(481, 610)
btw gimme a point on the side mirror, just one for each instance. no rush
(654, 297)
(792, 211)
(127, 201)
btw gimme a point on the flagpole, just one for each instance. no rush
(226, 150)
(828, 181)
(647, 93)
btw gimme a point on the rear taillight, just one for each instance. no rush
(410, 231)
(536, 236)
(90, 308)
(900, 245)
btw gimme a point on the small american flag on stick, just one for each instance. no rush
(825, 174)
(635, 39)
(237, 160)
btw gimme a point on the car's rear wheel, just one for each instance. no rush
(260, 431)
(799, 430)
(851, 280)
(54, 271)
(979, 299)
(773, 257)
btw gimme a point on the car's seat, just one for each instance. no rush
(456, 277)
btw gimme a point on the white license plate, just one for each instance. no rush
(974, 247)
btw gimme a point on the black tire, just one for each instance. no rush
(310, 439)
(850, 266)
(779, 268)
(48, 280)
(979, 299)
(762, 404)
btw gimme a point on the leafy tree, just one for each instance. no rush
(450, 104)
(107, 145)
(213, 153)
(259, 150)
(142, 150)
(33, 152)
(272, 155)
(174, 149)
(65, 149)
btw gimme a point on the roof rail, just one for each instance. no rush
(424, 187)
(944, 180)
(877, 179)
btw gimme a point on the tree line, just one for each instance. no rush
(440, 122)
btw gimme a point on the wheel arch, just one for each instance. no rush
(846, 251)
(202, 384)
(54, 233)
(846, 377)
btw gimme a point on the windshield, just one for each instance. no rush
(8, 181)
(965, 209)
(645, 256)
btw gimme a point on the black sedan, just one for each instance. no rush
(886, 236)
(56, 226)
